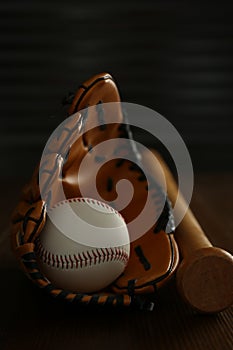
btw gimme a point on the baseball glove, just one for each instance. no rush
(154, 255)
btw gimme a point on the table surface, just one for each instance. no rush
(31, 320)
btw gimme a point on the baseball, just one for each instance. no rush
(84, 245)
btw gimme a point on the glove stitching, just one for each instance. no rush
(87, 88)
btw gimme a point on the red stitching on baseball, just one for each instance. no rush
(95, 256)
(80, 260)
(53, 259)
(72, 262)
(67, 261)
(85, 258)
(49, 258)
(86, 200)
(62, 261)
(76, 260)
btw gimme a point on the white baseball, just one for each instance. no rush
(84, 245)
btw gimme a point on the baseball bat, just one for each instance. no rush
(205, 275)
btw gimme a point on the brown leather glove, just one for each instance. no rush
(153, 256)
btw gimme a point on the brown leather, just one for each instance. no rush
(154, 256)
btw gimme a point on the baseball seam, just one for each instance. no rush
(89, 201)
(83, 259)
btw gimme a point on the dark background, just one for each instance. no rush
(175, 57)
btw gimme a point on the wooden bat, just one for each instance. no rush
(205, 275)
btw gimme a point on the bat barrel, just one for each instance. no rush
(205, 280)
(205, 275)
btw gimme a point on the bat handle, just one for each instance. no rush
(205, 275)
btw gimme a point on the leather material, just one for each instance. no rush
(154, 256)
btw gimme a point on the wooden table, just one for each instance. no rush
(31, 320)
